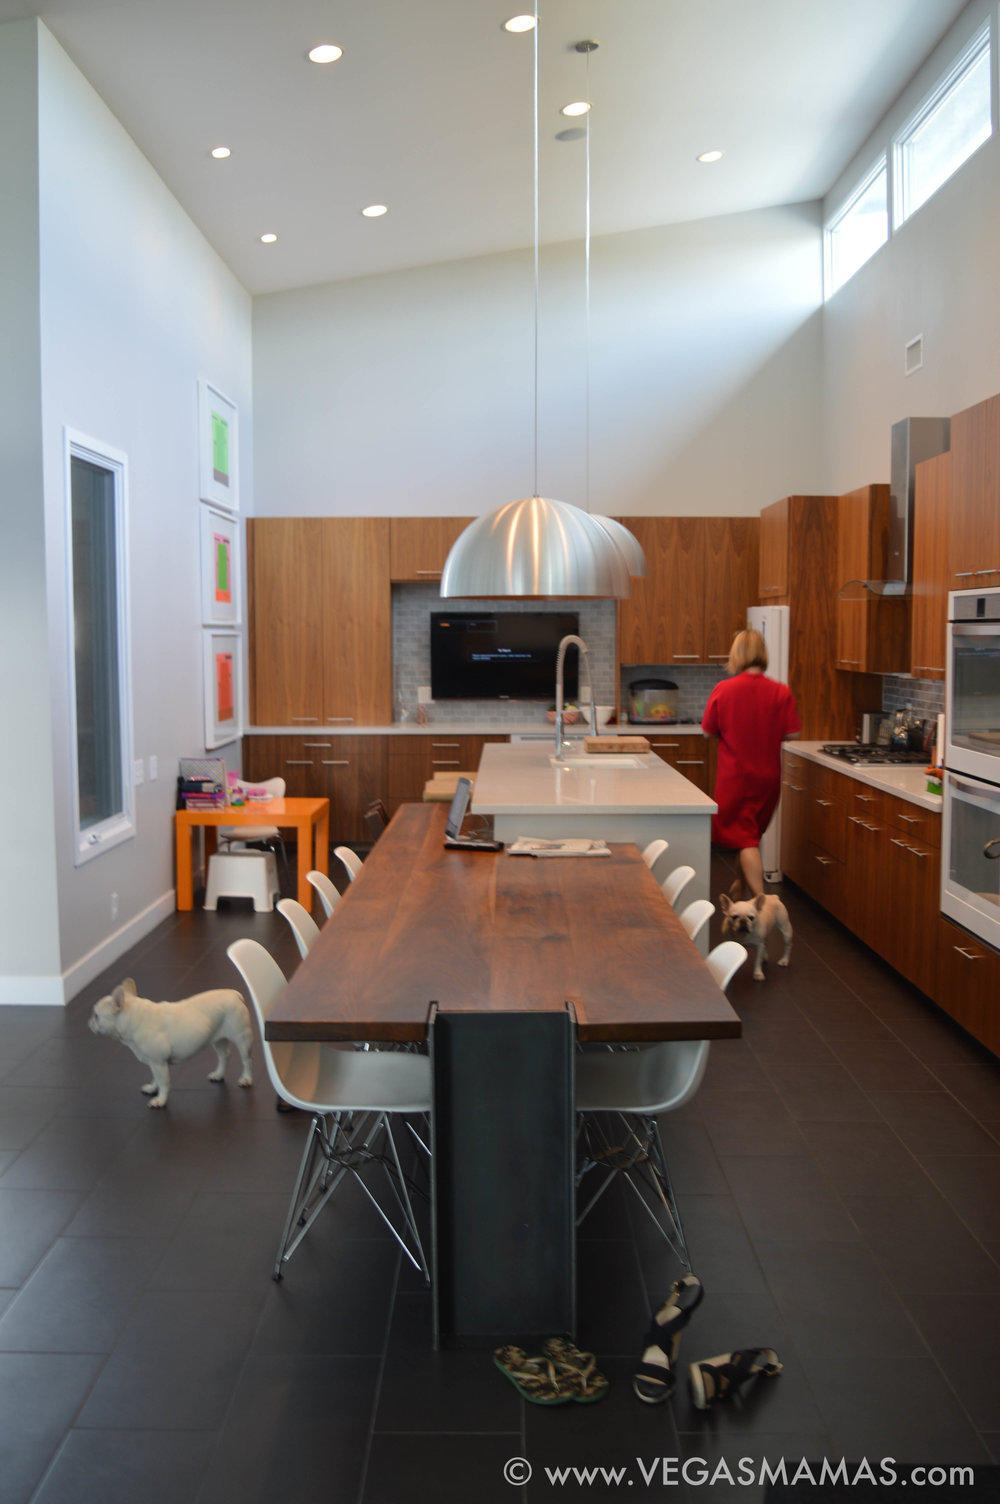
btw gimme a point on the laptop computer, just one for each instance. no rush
(456, 815)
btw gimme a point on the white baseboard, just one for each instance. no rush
(95, 961)
(55, 992)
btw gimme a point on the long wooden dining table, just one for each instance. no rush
(504, 965)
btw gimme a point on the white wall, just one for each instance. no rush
(135, 306)
(29, 950)
(936, 277)
(411, 392)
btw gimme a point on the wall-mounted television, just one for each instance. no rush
(502, 655)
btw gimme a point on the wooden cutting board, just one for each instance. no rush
(635, 744)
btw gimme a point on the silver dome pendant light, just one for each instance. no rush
(536, 546)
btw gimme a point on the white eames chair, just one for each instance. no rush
(675, 884)
(619, 1096)
(694, 918)
(329, 897)
(350, 860)
(353, 1096)
(302, 924)
(652, 853)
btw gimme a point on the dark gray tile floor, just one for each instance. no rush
(838, 1172)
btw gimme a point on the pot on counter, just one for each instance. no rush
(651, 701)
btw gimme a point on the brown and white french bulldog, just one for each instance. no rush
(752, 920)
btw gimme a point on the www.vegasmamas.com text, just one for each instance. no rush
(663, 1473)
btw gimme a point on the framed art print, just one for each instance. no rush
(220, 569)
(223, 689)
(217, 448)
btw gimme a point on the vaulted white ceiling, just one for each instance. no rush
(429, 111)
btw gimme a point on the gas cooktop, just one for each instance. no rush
(869, 755)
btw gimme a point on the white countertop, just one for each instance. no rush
(519, 778)
(538, 726)
(908, 781)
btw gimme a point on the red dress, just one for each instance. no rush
(751, 715)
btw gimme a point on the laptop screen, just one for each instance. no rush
(456, 813)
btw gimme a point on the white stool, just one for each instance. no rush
(243, 874)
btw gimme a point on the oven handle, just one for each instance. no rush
(967, 786)
(992, 850)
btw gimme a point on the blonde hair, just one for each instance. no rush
(749, 650)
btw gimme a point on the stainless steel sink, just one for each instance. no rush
(598, 760)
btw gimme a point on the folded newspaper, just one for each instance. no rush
(568, 846)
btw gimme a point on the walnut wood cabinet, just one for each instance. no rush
(931, 571)
(774, 544)
(412, 760)
(701, 577)
(872, 631)
(350, 771)
(886, 886)
(974, 525)
(689, 753)
(419, 546)
(320, 621)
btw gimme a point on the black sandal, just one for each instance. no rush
(718, 1378)
(655, 1379)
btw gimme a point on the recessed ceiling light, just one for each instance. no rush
(269, 238)
(373, 211)
(520, 23)
(220, 152)
(579, 107)
(711, 156)
(326, 52)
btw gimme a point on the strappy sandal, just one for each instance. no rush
(655, 1380)
(584, 1380)
(535, 1379)
(718, 1378)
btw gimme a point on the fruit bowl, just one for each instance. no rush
(571, 714)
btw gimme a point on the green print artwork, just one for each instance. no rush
(220, 449)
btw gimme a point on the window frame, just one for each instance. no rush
(113, 829)
(979, 43)
(878, 167)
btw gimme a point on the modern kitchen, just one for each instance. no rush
(809, 452)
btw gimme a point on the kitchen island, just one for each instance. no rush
(634, 797)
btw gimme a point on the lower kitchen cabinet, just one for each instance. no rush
(874, 861)
(690, 754)
(412, 760)
(350, 771)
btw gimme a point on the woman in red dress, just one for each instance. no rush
(751, 715)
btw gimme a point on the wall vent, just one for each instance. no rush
(913, 355)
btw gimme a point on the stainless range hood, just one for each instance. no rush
(913, 440)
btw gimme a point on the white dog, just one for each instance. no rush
(160, 1033)
(753, 921)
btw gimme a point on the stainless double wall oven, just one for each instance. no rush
(970, 867)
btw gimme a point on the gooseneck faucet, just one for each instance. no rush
(562, 745)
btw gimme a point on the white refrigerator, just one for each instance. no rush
(772, 624)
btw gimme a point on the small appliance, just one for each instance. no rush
(652, 702)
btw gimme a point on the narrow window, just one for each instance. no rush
(949, 126)
(100, 680)
(858, 229)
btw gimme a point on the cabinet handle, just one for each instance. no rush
(921, 855)
(348, 718)
(970, 955)
(865, 798)
(433, 573)
(985, 571)
(897, 842)
(335, 762)
(298, 762)
(824, 861)
(825, 803)
(964, 574)
(308, 720)
(690, 762)
(445, 762)
(929, 668)
(694, 656)
(851, 662)
(322, 746)
(444, 745)
(666, 744)
(911, 819)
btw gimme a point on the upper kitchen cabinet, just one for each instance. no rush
(320, 621)
(773, 573)
(974, 527)
(419, 546)
(731, 572)
(701, 574)
(872, 630)
(663, 621)
(931, 573)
